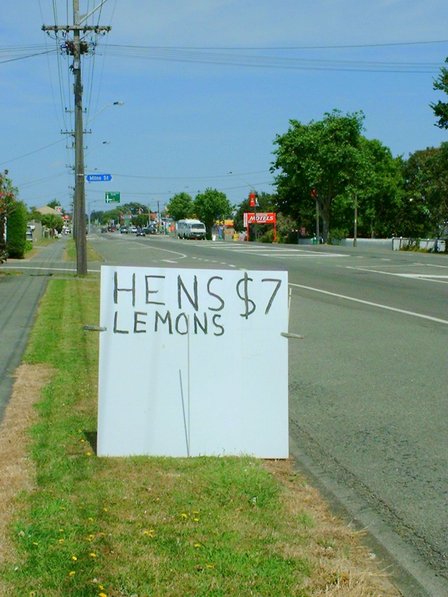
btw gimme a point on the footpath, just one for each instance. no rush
(22, 284)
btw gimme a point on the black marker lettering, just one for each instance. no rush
(148, 291)
(116, 330)
(217, 325)
(181, 286)
(276, 289)
(197, 323)
(117, 290)
(166, 319)
(179, 318)
(221, 307)
(138, 322)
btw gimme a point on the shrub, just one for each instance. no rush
(16, 231)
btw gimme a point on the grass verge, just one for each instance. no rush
(158, 526)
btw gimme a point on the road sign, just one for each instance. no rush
(99, 177)
(112, 197)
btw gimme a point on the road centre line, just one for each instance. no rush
(371, 304)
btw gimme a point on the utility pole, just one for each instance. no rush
(77, 48)
(355, 221)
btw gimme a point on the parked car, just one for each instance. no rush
(124, 230)
(141, 232)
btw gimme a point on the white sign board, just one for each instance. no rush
(192, 362)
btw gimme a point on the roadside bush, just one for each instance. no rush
(268, 237)
(336, 235)
(16, 231)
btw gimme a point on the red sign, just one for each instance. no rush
(252, 199)
(259, 218)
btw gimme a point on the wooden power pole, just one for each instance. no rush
(76, 47)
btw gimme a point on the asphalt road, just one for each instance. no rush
(22, 284)
(368, 383)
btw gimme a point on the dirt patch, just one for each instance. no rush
(16, 468)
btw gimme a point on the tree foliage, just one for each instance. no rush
(16, 238)
(211, 205)
(440, 108)
(425, 204)
(376, 189)
(180, 206)
(53, 222)
(7, 206)
(322, 155)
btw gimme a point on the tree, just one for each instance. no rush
(54, 204)
(16, 239)
(53, 223)
(180, 206)
(7, 205)
(425, 205)
(211, 205)
(375, 190)
(322, 155)
(440, 108)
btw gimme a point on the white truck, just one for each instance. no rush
(191, 229)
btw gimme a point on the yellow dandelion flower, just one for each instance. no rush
(184, 515)
(90, 519)
(92, 554)
(88, 453)
(210, 565)
(74, 558)
(196, 519)
(61, 540)
(197, 545)
(102, 595)
(90, 538)
(72, 573)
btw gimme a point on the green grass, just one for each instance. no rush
(145, 527)
(137, 526)
(92, 255)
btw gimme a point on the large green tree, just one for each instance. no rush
(425, 205)
(375, 190)
(440, 108)
(211, 205)
(180, 206)
(317, 162)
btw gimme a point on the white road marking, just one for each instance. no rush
(441, 279)
(263, 252)
(371, 304)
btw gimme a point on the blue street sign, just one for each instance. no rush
(98, 177)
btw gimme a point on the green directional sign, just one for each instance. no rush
(112, 197)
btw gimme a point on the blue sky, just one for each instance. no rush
(207, 85)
